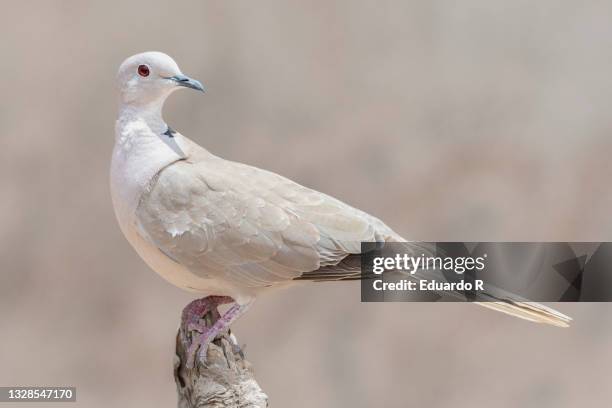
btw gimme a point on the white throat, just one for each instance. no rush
(142, 149)
(149, 114)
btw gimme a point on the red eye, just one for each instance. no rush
(143, 70)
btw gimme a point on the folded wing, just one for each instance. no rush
(248, 225)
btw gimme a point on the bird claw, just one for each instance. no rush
(201, 334)
(198, 328)
(198, 349)
(201, 323)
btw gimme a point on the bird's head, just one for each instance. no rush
(149, 78)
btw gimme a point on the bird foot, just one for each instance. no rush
(199, 326)
(201, 323)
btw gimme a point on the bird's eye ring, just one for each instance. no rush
(143, 70)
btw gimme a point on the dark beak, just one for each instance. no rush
(182, 80)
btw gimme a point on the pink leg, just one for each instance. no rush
(200, 334)
(194, 311)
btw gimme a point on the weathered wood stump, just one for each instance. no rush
(225, 379)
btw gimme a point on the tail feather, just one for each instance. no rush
(502, 301)
(534, 312)
(349, 268)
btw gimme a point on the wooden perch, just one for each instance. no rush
(224, 380)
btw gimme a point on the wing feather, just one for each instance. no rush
(251, 226)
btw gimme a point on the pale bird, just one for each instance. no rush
(222, 228)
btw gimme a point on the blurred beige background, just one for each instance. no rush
(473, 120)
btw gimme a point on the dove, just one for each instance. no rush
(225, 229)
